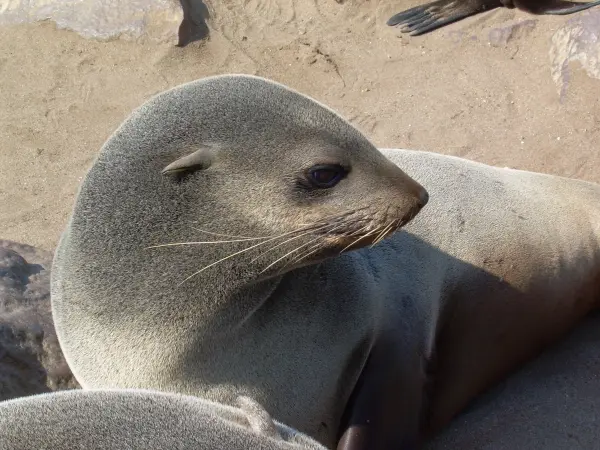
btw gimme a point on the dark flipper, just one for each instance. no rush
(193, 26)
(431, 16)
(555, 7)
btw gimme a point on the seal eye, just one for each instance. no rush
(326, 176)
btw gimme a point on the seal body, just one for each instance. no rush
(431, 16)
(508, 261)
(235, 237)
(140, 419)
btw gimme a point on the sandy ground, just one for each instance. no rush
(451, 92)
(481, 89)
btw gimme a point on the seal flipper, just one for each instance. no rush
(431, 16)
(555, 7)
(193, 26)
(385, 408)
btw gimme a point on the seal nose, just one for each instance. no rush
(423, 198)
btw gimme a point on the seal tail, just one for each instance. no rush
(431, 16)
(562, 7)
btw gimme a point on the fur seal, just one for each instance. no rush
(31, 361)
(141, 420)
(223, 244)
(431, 16)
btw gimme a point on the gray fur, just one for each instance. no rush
(258, 419)
(31, 361)
(519, 267)
(136, 420)
(504, 255)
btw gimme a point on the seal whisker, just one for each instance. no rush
(316, 247)
(399, 223)
(298, 248)
(304, 255)
(311, 228)
(388, 230)
(340, 216)
(313, 248)
(289, 240)
(173, 244)
(383, 234)
(229, 235)
(239, 253)
(288, 253)
(223, 259)
(360, 230)
(360, 238)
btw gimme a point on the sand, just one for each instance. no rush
(504, 88)
(451, 92)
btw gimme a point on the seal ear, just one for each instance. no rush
(201, 159)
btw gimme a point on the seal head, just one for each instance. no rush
(193, 254)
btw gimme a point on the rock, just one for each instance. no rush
(31, 361)
(577, 40)
(155, 20)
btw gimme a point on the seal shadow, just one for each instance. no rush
(551, 403)
(477, 345)
(31, 361)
